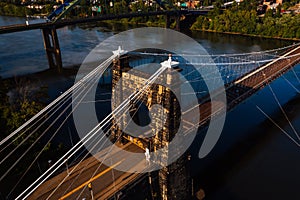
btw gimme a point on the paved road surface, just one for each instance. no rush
(105, 181)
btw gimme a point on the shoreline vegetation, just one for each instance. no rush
(162, 24)
(246, 23)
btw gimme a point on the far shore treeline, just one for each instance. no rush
(244, 19)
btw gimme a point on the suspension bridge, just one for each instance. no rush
(76, 174)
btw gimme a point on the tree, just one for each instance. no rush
(248, 5)
(216, 10)
(22, 104)
(278, 11)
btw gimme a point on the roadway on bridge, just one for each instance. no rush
(105, 180)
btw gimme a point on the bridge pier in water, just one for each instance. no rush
(51, 45)
(175, 19)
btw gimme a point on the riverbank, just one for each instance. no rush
(161, 23)
(248, 35)
(139, 21)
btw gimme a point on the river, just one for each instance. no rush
(253, 158)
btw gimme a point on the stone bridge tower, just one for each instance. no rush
(174, 181)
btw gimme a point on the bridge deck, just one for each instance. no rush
(105, 180)
(250, 83)
(259, 78)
